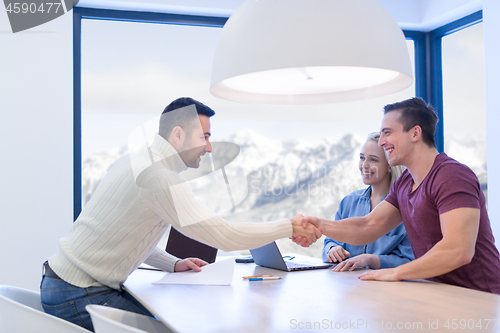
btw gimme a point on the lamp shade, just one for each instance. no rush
(288, 52)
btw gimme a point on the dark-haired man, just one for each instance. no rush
(138, 199)
(440, 202)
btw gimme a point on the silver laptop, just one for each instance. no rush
(270, 256)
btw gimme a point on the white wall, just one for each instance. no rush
(434, 14)
(491, 31)
(36, 152)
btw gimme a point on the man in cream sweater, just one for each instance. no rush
(137, 200)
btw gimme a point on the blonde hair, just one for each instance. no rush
(397, 170)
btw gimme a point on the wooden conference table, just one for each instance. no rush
(316, 301)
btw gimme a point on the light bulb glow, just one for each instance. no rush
(307, 80)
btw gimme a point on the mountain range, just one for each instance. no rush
(272, 179)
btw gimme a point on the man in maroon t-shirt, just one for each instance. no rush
(440, 202)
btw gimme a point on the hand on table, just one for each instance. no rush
(389, 274)
(304, 232)
(337, 254)
(362, 260)
(187, 264)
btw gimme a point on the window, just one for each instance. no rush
(298, 159)
(464, 99)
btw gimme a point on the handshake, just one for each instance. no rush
(306, 230)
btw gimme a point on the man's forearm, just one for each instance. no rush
(365, 229)
(439, 260)
(354, 230)
(455, 249)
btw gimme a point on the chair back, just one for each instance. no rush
(21, 311)
(110, 320)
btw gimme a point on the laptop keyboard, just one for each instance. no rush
(291, 264)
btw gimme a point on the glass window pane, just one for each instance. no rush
(464, 99)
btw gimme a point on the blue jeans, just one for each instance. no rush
(68, 302)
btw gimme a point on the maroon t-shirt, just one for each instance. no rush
(448, 185)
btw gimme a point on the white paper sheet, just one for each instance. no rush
(220, 273)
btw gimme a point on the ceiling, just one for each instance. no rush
(420, 15)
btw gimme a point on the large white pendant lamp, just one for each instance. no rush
(289, 52)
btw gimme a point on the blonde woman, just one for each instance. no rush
(390, 250)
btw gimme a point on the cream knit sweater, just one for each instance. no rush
(140, 196)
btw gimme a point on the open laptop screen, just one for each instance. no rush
(184, 247)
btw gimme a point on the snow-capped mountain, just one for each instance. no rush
(272, 179)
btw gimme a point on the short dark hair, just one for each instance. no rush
(416, 112)
(182, 119)
(186, 101)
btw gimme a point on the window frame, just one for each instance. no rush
(434, 53)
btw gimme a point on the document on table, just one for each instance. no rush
(220, 273)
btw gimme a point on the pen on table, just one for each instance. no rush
(266, 278)
(256, 276)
